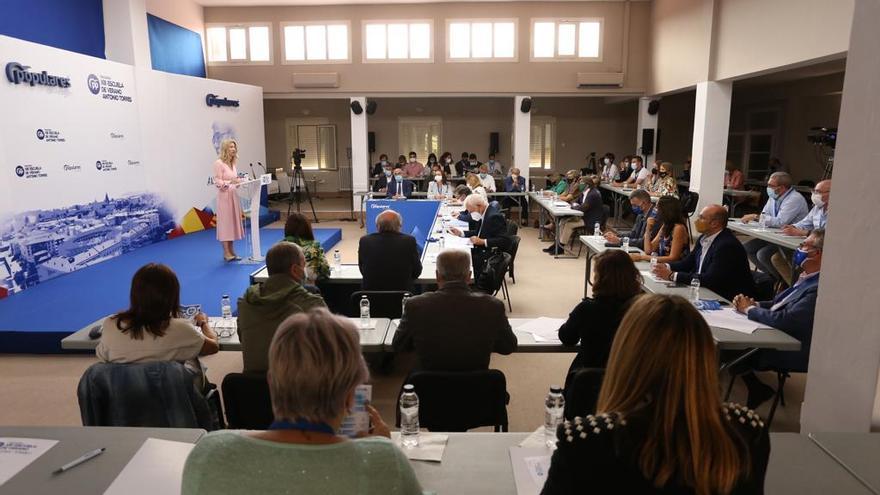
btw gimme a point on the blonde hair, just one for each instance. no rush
(473, 180)
(224, 151)
(663, 366)
(315, 362)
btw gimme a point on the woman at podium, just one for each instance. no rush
(228, 212)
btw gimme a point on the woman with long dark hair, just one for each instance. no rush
(672, 242)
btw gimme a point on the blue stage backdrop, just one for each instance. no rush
(418, 216)
(174, 48)
(77, 26)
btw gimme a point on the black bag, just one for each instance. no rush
(491, 274)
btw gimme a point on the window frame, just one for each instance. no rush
(386, 60)
(566, 20)
(493, 21)
(284, 61)
(246, 26)
(317, 122)
(415, 120)
(544, 121)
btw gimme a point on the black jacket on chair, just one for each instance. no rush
(725, 269)
(389, 261)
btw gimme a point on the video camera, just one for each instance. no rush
(297, 156)
(823, 136)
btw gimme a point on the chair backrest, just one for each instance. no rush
(461, 400)
(160, 394)
(689, 203)
(512, 228)
(383, 303)
(582, 391)
(514, 247)
(493, 273)
(247, 400)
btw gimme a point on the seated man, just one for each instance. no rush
(487, 229)
(638, 176)
(486, 178)
(399, 187)
(462, 166)
(414, 168)
(590, 203)
(516, 183)
(265, 305)
(718, 258)
(791, 311)
(384, 177)
(815, 219)
(444, 340)
(495, 167)
(389, 259)
(643, 208)
(785, 206)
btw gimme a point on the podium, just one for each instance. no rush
(249, 193)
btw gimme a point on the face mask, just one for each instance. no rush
(632, 166)
(700, 225)
(663, 174)
(438, 178)
(432, 160)
(491, 162)
(449, 160)
(817, 200)
(384, 162)
(387, 173)
(398, 178)
(412, 159)
(483, 175)
(607, 161)
(473, 163)
(476, 216)
(771, 193)
(637, 210)
(514, 177)
(800, 256)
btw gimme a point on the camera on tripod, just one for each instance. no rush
(823, 136)
(298, 156)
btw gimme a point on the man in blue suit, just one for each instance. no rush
(399, 187)
(718, 258)
(791, 311)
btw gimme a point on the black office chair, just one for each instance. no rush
(514, 247)
(512, 228)
(383, 303)
(460, 400)
(689, 203)
(248, 402)
(582, 391)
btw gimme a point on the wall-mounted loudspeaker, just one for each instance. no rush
(653, 107)
(371, 138)
(371, 107)
(526, 105)
(356, 107)
(494, 139)
(647, 142)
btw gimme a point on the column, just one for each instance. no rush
(521, 132)
(646, 121)
(845, 353)
(360, 153)
(709, 152)
(125, 33)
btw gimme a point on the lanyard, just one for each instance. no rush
(302, 425)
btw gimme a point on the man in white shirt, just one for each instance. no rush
(495, 167)
(815, 219)
(486, 179)
(639, 173)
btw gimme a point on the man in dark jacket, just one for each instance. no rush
(641, 204)
(487, 229)
(388, 259)
(718, 258)
(442, 340)
(265, 305)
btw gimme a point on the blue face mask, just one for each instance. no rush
(482, 175)
(387, 173)
(771, 193)
(637, 210)
(398, 178)
(800, 256)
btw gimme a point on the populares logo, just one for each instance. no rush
(19, 171)
(213, 100)
(50, 135)
(94, 84)
(18, 74)
(30, 171)
(105, 166)
(108, 88)
(40, 134)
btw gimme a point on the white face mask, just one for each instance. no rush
(633, 166)
(514, 176)
(449, 160)
(816, 198)
(607, 161)
(412, 159)
(473, 162)
(438, 178)
(476, 216)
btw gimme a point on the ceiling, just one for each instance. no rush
(794, 74)
(279, 3)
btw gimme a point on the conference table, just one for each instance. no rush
(859, 453)
(472, 463)
(770, 234)
(558, 210)
(525, 341)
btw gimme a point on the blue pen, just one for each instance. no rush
(79, 460)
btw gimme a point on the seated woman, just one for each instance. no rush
(439, 188)
(660, 425)
(315, 365)
(476, 185)
(446, 163)
(593, 322)
(733, 176)
(152, 329)
(665, 184)
(298, 230)
(671, 242)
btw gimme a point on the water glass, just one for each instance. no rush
(624, 243)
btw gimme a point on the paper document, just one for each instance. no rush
(561, 204)
(157, 467)
(543, 329)
(728, 318)
(17, 453)
(530, 467)
(648, 275)
(358, 419)
(456, 242)
(431, 447)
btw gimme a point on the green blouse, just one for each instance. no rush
(560, 186)
(315, 260)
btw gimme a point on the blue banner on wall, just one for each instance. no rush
(75, 26)
(175, 49)
(418, 216)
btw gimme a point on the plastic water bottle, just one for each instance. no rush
(337, 261)
(406, 296)
(653, 261)
(225, 307)
(762, 222)
(365, 312)
(624, 243)
(409, 417)
(597, 232)
(553, 407)
(695, 290)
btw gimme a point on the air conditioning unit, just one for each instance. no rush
(599, 80)
(316, 80)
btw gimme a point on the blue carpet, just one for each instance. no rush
(36, 319)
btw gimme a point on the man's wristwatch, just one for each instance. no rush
(671, 276)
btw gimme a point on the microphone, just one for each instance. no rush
(265, 170)
(252, 171)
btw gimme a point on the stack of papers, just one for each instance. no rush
(561, 204)
(157, 467)
(648, 275)
(17, 453)
(430, 448)
(543, 329)
(728, 318)
(455, 242)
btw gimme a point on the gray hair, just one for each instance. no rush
(282, 256)
(389, 221)
(818, 236)
(782, 178)
(454, 265)
(462, 190)
(315, 362)
(475, 201)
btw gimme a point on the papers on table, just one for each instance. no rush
(358, 419)
(543, 329)
(430, 448)
(455, 242)
(648, 275)
(530, 467)
(157, 467)
(728, 318)
(561, 204)
(17, 453)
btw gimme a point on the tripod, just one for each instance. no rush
(299, 192)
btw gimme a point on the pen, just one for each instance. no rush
(79, 460)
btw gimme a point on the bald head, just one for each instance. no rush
(388, 221)
(715, 218)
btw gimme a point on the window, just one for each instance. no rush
(325, 42)
(420, 134)
(481, 40)
(318, 138)
(541, 135)
(411, 41)
(563, 39)
(239, 44)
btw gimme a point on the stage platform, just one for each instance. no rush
(35, 320)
